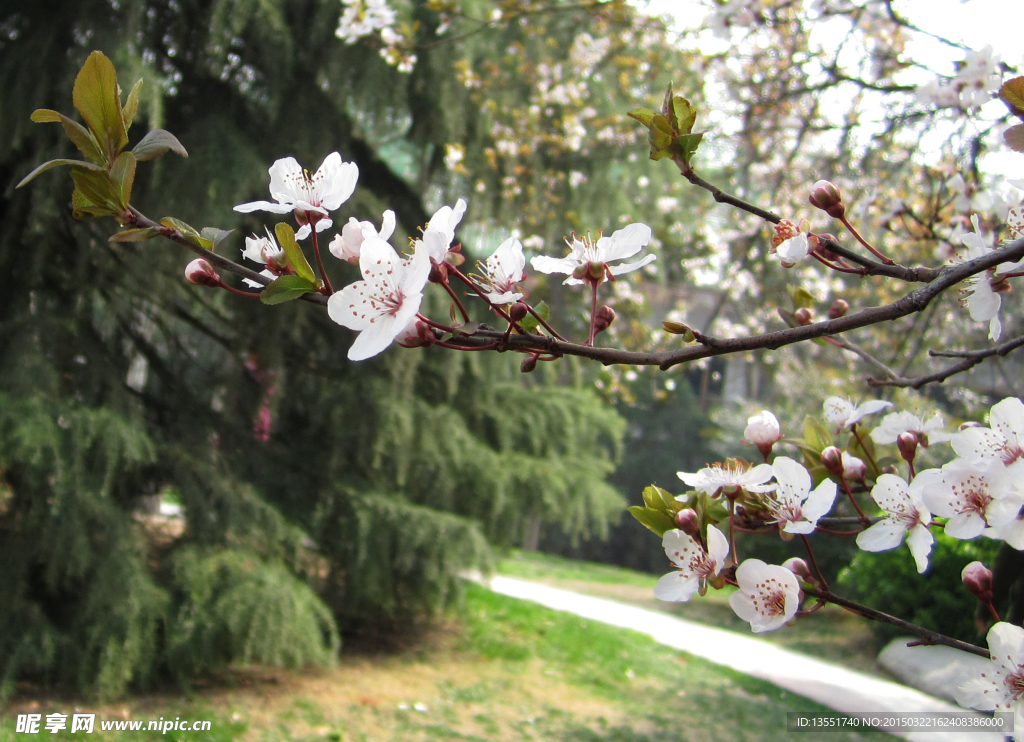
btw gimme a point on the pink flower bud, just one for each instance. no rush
(763, 431)
(832, 460)
(854, 468)
(803, 316)
(603, 318)
(688, 522)
(528, 364)
(518, 311)
(907, 445)
(799, 567)
(826, 196)
(838, 309)
(978, 579)
(201, 273)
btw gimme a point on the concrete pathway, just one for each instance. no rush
(836, 687)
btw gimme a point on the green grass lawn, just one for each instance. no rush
(503, 670)
(830, 633)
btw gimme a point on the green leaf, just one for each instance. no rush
(661, 133)
(643, 115)
(685, 114)
(687, 145)
(543, 310)
(286, 238)
(131, 106)
(97, 189)
(653, 497)
(185, 229)
(57, 163)
(157, 143)
(96, 98)
(816, 435)
(214, 235)
(78, 134)
(122, 175)
(802, 298)
(655, 520)
(286, 288)
(660, 154)
(135, 235)
(529, 324)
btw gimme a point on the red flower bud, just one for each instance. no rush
(838, 309)
(803, 316)
(528, 364)
(201, 273)
(826, 196)
(978, 579)
(832, 460)
(688, 522)
(799, 567)
(518, 311)
(603, 318)
(907, 445)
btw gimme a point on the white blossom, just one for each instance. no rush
(972, 496)
(730, 478)
(440, 232)
(312, 197)
(696, 564)
(387, 299)
(792, 251)
(896, 423)
(502, 273)
(1001, 686)
(345, 246)
(622, 243)
(265, 251)
(793, 504)
(841, 414)
(905, 512)
(1003, 441)
(768, 595)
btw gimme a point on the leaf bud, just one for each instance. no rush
(803, 316)
(688, 522)
(826, 196)
(518, 311)
(799, 567)
(201, 273)
(838, 309)
(832, 460)
(978, 579)
(907, 445)
(528, 364)
(603, 318)
(676, 328)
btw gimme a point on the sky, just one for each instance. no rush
(973, 23)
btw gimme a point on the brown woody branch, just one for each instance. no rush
(971, 358)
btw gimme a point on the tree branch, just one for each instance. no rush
(971, 359)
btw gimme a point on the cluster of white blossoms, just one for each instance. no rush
(362, 18)
(975, 82)
(384, 307)
(979, 493)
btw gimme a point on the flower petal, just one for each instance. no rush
(676, 587)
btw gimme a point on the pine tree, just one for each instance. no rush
(318, 494)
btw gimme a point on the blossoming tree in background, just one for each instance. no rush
(856, 471)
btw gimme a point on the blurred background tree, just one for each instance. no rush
(320, 498)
